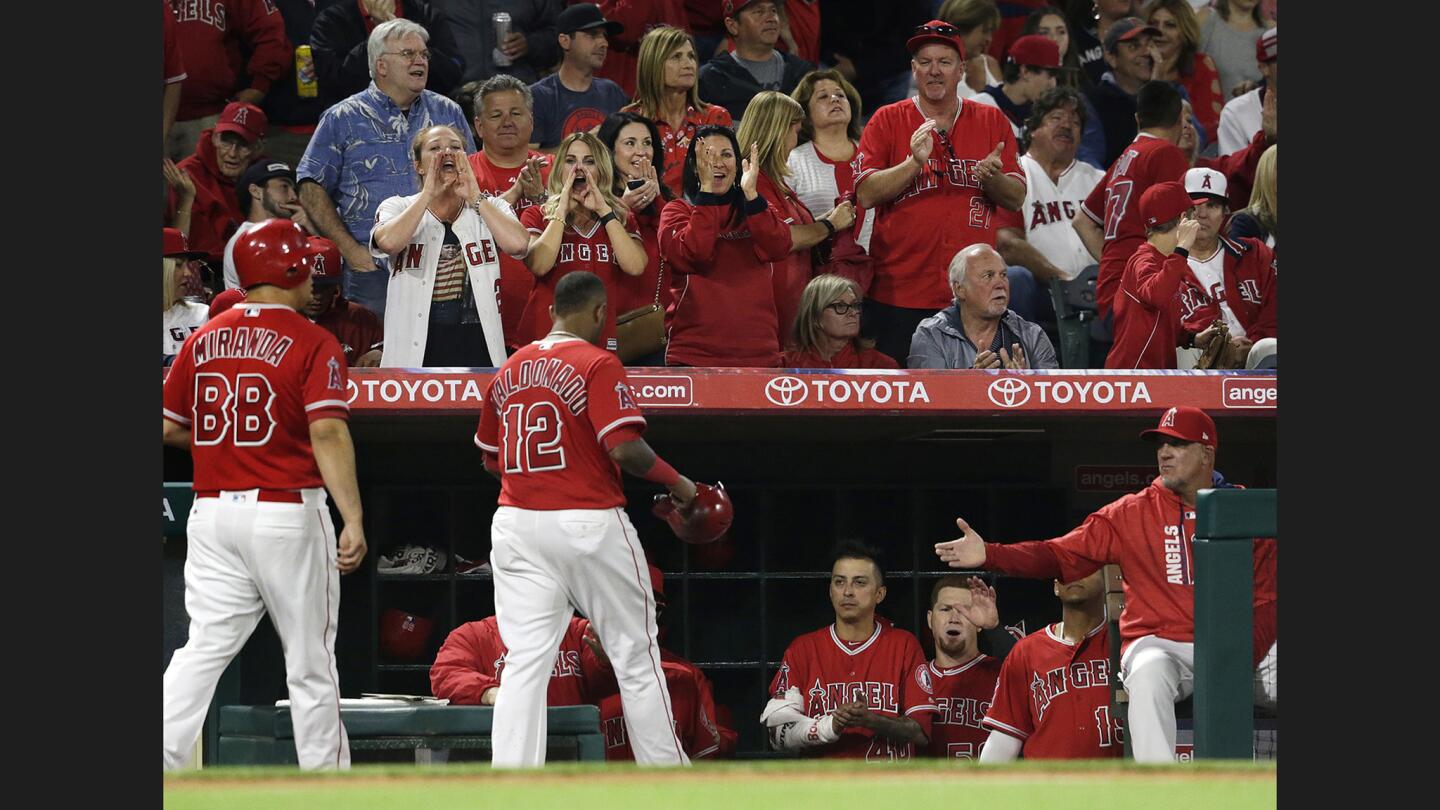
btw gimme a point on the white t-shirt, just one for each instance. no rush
(813, 179)
(1239, 121)
(1049, 208)
(1211, 273)
(991, 80)
(232, 276)
(179, 321)
(989, 100)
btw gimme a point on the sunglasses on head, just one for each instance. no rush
(942, 30)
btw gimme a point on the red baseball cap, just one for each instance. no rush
(1163, 202)
(245, 120)
(326, 269)
(1267, 47)
(1034, 50)
(733, 7)
(176, 246)
(225, 300)
(1186, 423)
(937, 31)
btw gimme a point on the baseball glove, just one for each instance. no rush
(705, 520)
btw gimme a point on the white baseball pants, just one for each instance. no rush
(246, 557)
(546, 564)
(1156, 673)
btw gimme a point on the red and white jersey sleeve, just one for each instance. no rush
(551, 413)
(1055, 696)
(174, 64)
(248, 384)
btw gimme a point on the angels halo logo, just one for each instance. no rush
(786, 391)
(1009, 392)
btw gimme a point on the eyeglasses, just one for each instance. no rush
(410, 55)
(230, 140)
(842, 308)
(942, 30)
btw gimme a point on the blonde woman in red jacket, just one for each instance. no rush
(720, 243)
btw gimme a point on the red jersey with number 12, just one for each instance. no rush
(1055, 696)
(248, 384)
(1114, 204)
(551, 414)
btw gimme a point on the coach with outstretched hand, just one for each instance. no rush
(1149, 534)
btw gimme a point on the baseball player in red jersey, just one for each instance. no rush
(859, 688)
(933, 168)
(557, 425)
(359, 331)
(690, 694)
(1053, 698)
(1111, 226)
(469, 665)
(1149, 535)
(258, 397)
(963, 678)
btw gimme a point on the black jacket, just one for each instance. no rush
(342, 65)
(1116, 110)
(726, 82)
(283, 104)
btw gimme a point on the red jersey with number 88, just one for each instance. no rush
(1114, 204)
(248, 384)
(1055, 696)
(551, 414)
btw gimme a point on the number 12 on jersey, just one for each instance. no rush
(532, 438)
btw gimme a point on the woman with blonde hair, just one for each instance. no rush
(827, 328)
(1261, 219)
(444, 248)
(666, 92)
(977, 21)
(1178, 59)
(581, 226)
(179, 315)
(772, 125)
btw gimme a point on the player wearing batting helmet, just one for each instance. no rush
(258, 397)
(859, 688)
(1149, 534)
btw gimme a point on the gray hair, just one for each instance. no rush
(500, 83)
(962, 259)
(397, 28)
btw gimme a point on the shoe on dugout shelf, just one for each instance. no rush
(471, 568)
(413, 559)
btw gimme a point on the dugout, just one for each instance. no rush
(887, 457)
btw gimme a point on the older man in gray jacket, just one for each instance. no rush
(979, 330)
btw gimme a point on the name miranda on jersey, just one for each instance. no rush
(241, 343)
(553, 373)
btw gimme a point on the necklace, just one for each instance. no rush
(566, 334)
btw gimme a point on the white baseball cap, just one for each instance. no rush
(1205, 184)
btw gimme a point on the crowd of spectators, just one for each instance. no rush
(960, 165)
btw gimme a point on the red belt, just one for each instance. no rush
(270, 495)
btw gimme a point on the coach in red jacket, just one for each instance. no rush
(1149, 534)
(1147, 305)
(720, 242)
(468, 667)
(225, 41)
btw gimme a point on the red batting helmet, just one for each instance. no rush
(274, 252)
(327, 261)
(403, 636)
(706, 519)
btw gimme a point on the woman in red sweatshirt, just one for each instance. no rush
(720, 243)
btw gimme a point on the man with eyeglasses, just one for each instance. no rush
(339, 37)
(360, 154)
(221, 156)
(933, 168)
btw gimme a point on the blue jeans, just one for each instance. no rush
(368, 289)
(1028, 297)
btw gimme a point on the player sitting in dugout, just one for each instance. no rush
(857, 688)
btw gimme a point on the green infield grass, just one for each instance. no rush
(736, 786)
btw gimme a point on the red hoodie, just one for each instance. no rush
(473, 657)
(216, 212)
(1149, 534)
(1147, 309)
(215, 35)
(724, 309)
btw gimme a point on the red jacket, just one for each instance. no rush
(848, 357)
(1239, 169)
(1149, 534)
(215, 35)
(473, 656)
(638, 16)
(724, 310)
(795, 272)
(357, 328)
(1147, 309)
(692, 701)
(215, 214)
(1252, 288)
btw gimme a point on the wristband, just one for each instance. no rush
(608, 218)
(661, 473)
(829, 226)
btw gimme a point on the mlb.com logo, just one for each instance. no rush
(1249, 392)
